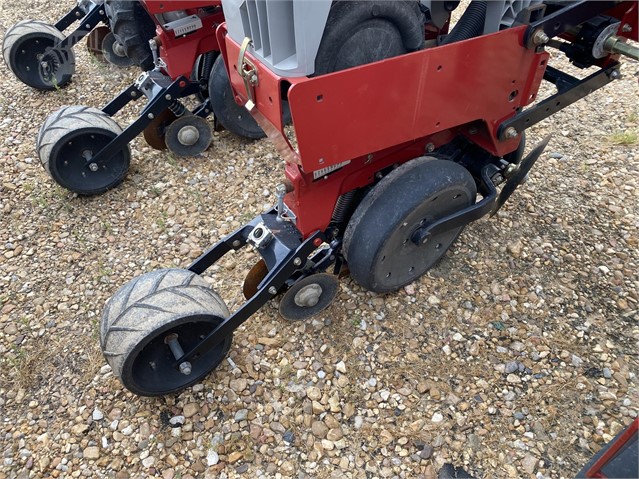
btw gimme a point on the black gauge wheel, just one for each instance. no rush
(69, 138)
(148, 313)
(24, 49)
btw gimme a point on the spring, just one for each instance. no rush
(177, 108)
(342, 207)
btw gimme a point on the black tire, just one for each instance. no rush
(378, 245)
(22, 50)
(133, 27)
(66, 138)
(360, 32)
(143, 312)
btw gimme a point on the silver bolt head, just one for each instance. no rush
(168, 97)
(430, 148)
(150, 116)
(540, 38)
(272, 290)
(627, 28)
(236, 244)
(615, 74)
(297, 261)
(94, 167)
(188, 135)
(185, 368)
(510, 133)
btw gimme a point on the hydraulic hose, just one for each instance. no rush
(470, 25)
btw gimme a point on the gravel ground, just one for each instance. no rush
(515, 357)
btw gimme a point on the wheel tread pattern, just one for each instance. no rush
(149, 302)
(66, 120)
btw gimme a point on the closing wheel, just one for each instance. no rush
(379, 241)
(188, 135)
(114, 52)
(95, 40)
(309, 296)
(69, 138)
(156, 317)
(24, 47)
(155, 132)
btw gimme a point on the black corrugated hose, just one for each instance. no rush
(470, 25)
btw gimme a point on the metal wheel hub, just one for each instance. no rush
(188, 135)
(308, 296)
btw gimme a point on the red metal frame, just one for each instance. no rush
(180, 53)
(388, 112)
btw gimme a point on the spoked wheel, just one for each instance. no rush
(154, 318)
(66, 143)
(379, 241)
(114, 52)
(95, 40)
(24, 50)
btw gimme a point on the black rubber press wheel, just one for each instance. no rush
(133, 28)
(378, 241)
(361, 32)
(69, 138)
(141, 318)
(24, 50)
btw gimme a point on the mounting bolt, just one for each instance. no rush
(94, 166)
(133, 94)
(272, 290)
(540, 37)
(627, 28)
(297, 261)
(168, 97)
(510, 133)
(236, 244)
(150, 116)
(430, 147)
(185, 368)
(615, 75)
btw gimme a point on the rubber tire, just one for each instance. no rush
(70, 120)
(148, 306)
(395, 27)
(133, 27)
(24, 30)
(389, 204)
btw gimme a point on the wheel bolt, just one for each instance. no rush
(93, 167)
(189, 135)
(185, 368)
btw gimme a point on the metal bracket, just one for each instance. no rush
(247, 70)
(570, 90)
(564, 19)
(491, 202)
